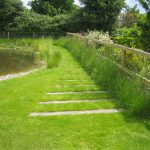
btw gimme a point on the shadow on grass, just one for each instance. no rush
(129, 115)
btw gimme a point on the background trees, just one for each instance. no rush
(100, 14)
(133, 28)
(52, 7)
(29, 22)
(145, 26)
(9, 9)
(129, 17)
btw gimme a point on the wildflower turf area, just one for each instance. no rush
(21, 96)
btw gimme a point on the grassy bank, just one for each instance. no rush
(19, 97)
(130, 92)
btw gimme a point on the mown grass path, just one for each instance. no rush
(75, 83)
(19, 97)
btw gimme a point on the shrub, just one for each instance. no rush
(29, 22)
(128, 36)
(99, 35)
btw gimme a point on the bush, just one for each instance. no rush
(29, 22)
(128, 36)
(99, 35)
(130, 92)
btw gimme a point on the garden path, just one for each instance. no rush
(80, 88)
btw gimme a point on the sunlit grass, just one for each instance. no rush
(19, 97)
(131, 92)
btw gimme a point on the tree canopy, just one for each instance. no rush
(129, 17)
(52, 7)
(9, 9)
(145, 25)
(100, 14)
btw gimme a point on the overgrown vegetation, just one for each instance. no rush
(51, 55)
(133, 27)
(130, 92)
(136, 63)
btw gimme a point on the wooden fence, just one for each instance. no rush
(29, 34)
(124, 50)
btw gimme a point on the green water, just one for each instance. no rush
(13, 61)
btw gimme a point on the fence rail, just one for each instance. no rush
(124, 49)
(29, 34)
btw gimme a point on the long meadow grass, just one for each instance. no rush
(130, 92)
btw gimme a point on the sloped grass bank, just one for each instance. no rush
(130, 92)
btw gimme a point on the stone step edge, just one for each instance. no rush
(62, 113)
(83, 92)
(73, 101)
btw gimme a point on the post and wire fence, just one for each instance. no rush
(132, 61)
(29, 34)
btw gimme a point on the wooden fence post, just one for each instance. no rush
(8, 35)
(123, 57)
(33, 34)
(106, 51)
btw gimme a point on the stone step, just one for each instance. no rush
(61, 113)
(73, 101)
(73, 80)
(83, 92)
(80, 85)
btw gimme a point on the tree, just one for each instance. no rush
(52, 7)
(9, 9)
(29, 22)
(145, 25)
(100, 14)
(146, 5)
(129, 17)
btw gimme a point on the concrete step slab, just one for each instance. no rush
(62, 113)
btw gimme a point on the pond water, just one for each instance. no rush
(14, 61)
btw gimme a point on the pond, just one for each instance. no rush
(17, 60)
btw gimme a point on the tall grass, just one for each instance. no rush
(48, 53)
(131, 93)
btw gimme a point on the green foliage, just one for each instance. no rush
(130, 92)
(129, 17)
(145, 26)
(145, 34)
(52, 7)
(128, 36)
(134, 28)
(100, 15)
(146, 5)
(31, 22)
(9, 9)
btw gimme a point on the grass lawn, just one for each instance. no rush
(19, 97)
